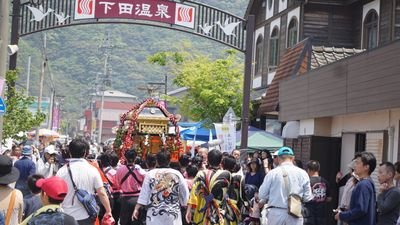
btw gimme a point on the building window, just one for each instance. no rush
(274, 49)
(360, 142)
(269, 4)
(259, 56)
(397, 22)
(371, 30)
(292, 33)
(291, 3)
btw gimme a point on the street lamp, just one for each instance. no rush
(12, 49)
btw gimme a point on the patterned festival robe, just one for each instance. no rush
(164, 191)
(210, 198)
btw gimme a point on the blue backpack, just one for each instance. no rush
(48, 218)
(2, 219)
(87, 199)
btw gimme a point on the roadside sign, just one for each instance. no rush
(2, 107)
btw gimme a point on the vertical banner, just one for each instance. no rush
(56, 119)
(227, 133)
(194, 141)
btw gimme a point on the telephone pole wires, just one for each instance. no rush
(107, 46)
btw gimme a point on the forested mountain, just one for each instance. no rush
(74, 56)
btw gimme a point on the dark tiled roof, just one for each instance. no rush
(295, 62)
(322, 56)
(255, 95)
(288, 61)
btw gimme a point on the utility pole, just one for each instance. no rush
(165, 87)
(51, 111)
(52, 98)
(4, 31)
(16, 11)
(247, 81)
(28, 75)
(107, 46)
(44, 58)
(93, 108)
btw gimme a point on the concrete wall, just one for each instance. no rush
(322, 126)
(347, 125)
(384, 120)
(348, 145)
(316, 127)
(112, 114)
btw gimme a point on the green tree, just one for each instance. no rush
(18, 118)
(212, 85)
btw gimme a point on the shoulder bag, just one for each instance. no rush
(294, 200)
(10, 208)
(87, 199)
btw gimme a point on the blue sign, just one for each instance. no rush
(2, 107)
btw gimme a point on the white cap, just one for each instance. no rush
(51, 149)
(275, 153)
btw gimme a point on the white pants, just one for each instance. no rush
(281, 217)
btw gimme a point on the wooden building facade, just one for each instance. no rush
(280, 24)
(332, 67)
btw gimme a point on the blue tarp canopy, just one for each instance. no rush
(202, 134)
(196, 129)
(189, 124)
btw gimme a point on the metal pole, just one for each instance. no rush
(16, 10)
(101, 118)
(165, 86)
(41, 84)
(102, 102)
(91, 118)
(28, 75)
(4, 14)
(52, 98)
(247, 81)
(107, 45)
(165, 90)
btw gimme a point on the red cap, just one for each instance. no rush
(54, 187)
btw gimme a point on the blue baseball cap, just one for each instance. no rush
(285, 151)
(27, 150)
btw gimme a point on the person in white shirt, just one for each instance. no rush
(86, 177)
(47, 166)
(273, 190)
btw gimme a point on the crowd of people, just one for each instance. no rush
(55, 185)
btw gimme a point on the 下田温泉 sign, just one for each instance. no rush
(188, 16)
(153, 10)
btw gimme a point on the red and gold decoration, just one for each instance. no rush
(145, 126)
